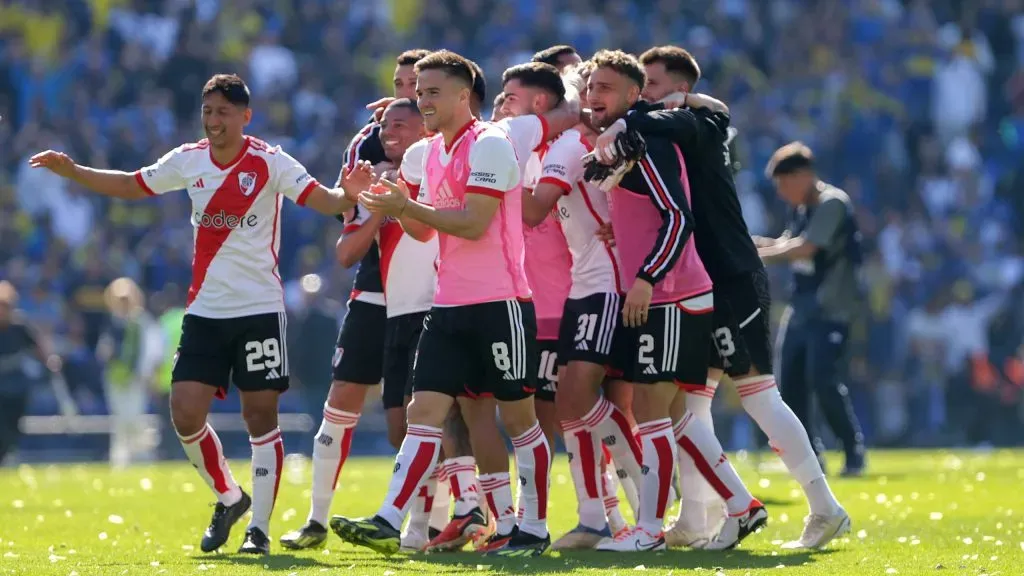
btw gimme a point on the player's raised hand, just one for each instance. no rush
(378, 107)
(357, 180)
(389, 203)
(57, 162)
(637, 304)
(605, 149)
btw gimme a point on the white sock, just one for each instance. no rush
(497, 490)
(439, 512)
(697, 493)
(205, 452)
(267, 462)
(533, 465)
(706, 452)
(414, 463)
(330, 450)
(461, 473)
(659, 460)
(583, 446)
(762, 401)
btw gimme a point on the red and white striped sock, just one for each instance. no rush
(414, 463)
(422, 506)
(613, 427)
(461, 473)
(267, 463)
(703, 447)
(497, 489)
(205, 452)
(610, 491)
(330, 450)
(442, 500)
(761, 399)
(697, 493)
(659, 459)
(533, 465)
(583, 445)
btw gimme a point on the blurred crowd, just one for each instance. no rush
(914, 107)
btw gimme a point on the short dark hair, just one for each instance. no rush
(479, 82)
(552, 54)
(537, 75)
(789, 159)
(621, 62)
(675, 60)
(410, 57)
(231, 86)
(407, 103)
(450, 63)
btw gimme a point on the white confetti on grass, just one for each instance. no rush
(862, 534)
(115, 519)
(19, 504)
(146, 484)
(935, 516)
(103, 535)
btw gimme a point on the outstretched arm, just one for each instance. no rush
(157, 179)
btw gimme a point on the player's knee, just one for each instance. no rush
(260, 419)
(428, 410)
(518, 417)
(347, 396)
(188, 411)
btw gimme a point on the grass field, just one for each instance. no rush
(915, 513)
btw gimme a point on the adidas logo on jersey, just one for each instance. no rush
(198, 184)
(272, 374)
(445, 199)
(581, 345)
(508, 376)
(650, 370)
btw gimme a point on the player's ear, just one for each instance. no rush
(634, 93)
(247, 115)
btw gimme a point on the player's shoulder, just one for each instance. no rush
(830, 193)
(570, 140)
(416, 151)
(493, 139)
(261, 147)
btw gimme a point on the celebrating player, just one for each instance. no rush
(359, 353)
(235, 320)
(742, 334)
(666, 315)
(561, 56)
(481, 329)
(593, 306)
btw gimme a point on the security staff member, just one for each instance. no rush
(822, 245)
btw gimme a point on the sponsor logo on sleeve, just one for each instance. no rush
(555, 170)
(488, 177)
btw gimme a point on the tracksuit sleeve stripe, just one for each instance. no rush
(671, 244)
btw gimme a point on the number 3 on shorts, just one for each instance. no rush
(264, 355)
(723, 340)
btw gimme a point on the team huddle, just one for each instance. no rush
(578, 265)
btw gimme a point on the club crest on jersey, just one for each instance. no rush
(247, 181)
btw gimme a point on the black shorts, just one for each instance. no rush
(670, 347)
(250, 351)
(401, 336)
(588, 327)
(487, 349)
(742, 337)
(359, 354)
(547, 370)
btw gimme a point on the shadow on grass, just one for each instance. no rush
(275, 561)
(562, 562)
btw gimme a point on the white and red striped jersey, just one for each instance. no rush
(236, 212)
(582, 209)
(408, 267)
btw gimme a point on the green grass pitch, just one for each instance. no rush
(933, 513)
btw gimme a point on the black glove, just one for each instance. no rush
(594, 171)
(630, 145)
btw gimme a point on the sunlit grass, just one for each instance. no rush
(915, 513)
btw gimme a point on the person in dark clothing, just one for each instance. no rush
(21, 354)
(822, 245)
